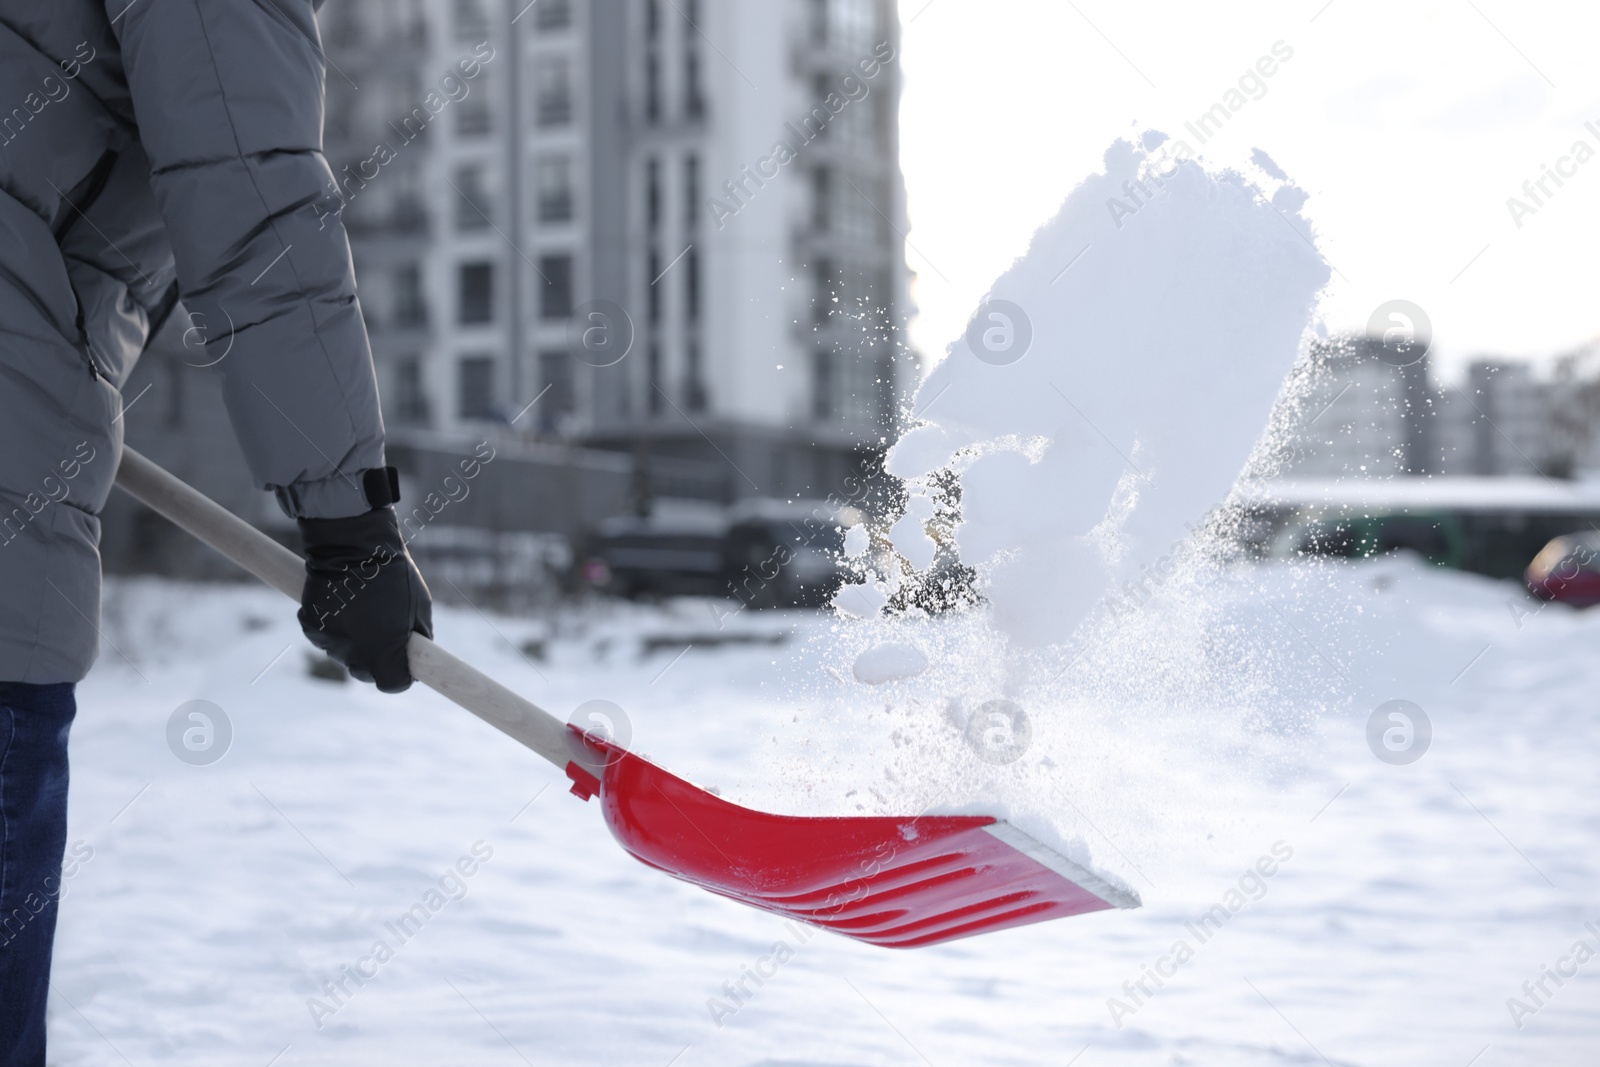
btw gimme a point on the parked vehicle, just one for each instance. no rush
(781, 553)
(675, 550)
(1567, 570)
(1487, 525)
(764, 553)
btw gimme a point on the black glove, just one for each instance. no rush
(364, 596)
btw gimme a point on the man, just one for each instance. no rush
(152, 150)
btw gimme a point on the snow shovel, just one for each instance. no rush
(893, 881)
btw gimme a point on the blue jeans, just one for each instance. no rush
(34, 720)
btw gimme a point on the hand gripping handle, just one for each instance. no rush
(280, 568)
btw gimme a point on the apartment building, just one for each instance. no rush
(1364, 418)
(668, 227)
(1499, 420)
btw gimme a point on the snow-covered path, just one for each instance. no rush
(215, 901)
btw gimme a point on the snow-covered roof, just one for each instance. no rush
(1456, 493)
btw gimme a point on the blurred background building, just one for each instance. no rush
(651, 250)
(1479, 470)
(599, 223)
(1365, 418)
(652, 254)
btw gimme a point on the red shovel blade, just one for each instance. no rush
(900, 882)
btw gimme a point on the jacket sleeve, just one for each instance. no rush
(228, 99)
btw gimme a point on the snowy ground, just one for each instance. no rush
(216, 900)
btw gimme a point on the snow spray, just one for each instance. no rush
(1079, 443)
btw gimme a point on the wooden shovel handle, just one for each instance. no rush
(280, 568)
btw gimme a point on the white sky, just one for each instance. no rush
(1410, 124)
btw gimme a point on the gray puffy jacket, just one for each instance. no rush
(143, 144)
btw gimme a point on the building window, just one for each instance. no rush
(471, 21)
(694, 386)
(472, 200)
(857, 217)
(653, 265)
(825, 292)
(819, 120)
(410, 400)
(555, 289)
(822, 385)
(475, 299)
(694, 101)
(473, 116)
(844, 205)
(652, 194)
(475, 387)
(884, 381)
(407, 215)
(691, 283)
(414, 124)
(553, 180)
(410, 309)
(552, 14)
(553, 106)
(652, 88)
(821, 198)
(843, 24)
(691, 190)
(850, 292)
(556, 389)
(856, 126)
